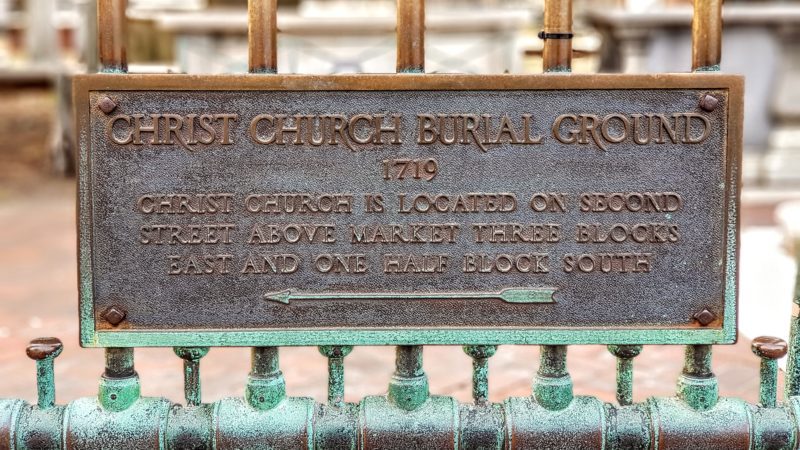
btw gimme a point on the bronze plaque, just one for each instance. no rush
(403, 209)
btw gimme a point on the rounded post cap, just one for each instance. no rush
(625, 351)
(769, 347)
(191, 353)
(44, 347)
(480, 351)
(335, 351)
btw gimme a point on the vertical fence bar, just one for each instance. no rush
(112, 27)
(697, 385)
(335, 355)
(706, 35)
(191, 372)
(770, 350)
(266, 387)
(557, 36)
(409, 386)
(262, 35)
(552, 386)
(44, 351)
(119, 385)
(792, 387)
(625, 355)
(480, 355)
(411, 36)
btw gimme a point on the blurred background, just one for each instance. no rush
(44, 42)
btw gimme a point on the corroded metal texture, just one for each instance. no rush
(374, 423)
(244, 240)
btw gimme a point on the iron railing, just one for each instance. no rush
(409, 417)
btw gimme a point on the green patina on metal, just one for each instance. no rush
(45, 383)
(412, 336)
(697, 385)
(712, 68)
(793, 361)
(408, 389)
(510, 295)
(545, 420)
(266, 387)
(768, 388)
(480, 355)
(552, 386)
(118, 394)
(335, 355)
(191, 372)
(625, 355)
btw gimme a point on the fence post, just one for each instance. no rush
(112, 31)
(262, 30)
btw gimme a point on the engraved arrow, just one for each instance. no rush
(509, 295)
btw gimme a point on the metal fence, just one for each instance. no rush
(409, 417)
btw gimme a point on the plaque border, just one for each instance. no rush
(726, 333)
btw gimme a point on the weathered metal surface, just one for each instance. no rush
(512, 216)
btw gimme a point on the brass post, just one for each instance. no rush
(262, 31)
(112, 30)
(706, 35)
(557, 36)
(411, 36)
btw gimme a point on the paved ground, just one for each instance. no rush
(38, 297)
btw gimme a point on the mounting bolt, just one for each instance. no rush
(106, 105)
(709, 103)
(704, 317)
(114, 315)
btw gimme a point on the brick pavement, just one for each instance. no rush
(38, 297)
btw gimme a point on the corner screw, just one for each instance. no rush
(704, 317)
(41, 348)
(106, 105)
(114, 315)
(709, 103)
